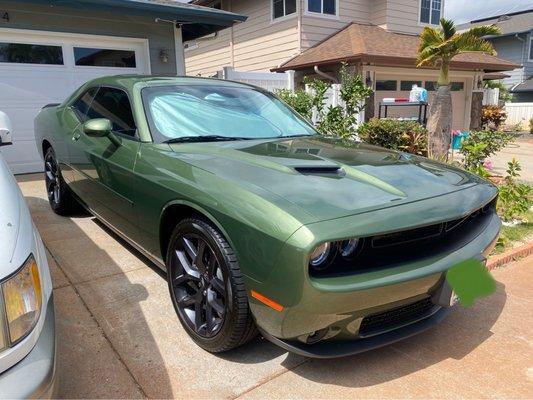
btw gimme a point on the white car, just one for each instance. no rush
(27, 323)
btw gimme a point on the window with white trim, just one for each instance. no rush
(326, 7)
(430, 11)
(282, 8)
(530, 58)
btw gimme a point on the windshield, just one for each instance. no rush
(198, 110)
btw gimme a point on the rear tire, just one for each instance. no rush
(207, 287)
(59, 195)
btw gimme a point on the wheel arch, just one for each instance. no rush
(177, 210)
(45, 145)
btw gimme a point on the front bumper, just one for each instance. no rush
(334, 348)
(35, 375)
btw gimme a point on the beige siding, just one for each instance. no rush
(378, 13)
(210, 56)
(259, 43)
(316, 28)
(402, 16)
(255, 45)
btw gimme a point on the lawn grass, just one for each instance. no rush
(514, 236)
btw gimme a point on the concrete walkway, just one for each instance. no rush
(118, 336)
(522, 150)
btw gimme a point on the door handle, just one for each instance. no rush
(76, 136)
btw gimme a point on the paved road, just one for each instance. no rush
(118, 336)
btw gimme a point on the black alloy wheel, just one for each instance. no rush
(59, 196)
(207, 287)
(199, 286)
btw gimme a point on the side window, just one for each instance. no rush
(114, 105)
(81, 106)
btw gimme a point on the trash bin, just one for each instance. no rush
(458, 139)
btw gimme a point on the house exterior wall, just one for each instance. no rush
(160, 36)
(513, 49)
(260, 43)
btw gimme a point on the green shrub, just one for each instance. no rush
(300, 100)
(515, 198)
(531, 126)
(481, 144)
(407, 136)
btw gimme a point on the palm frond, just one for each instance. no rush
(468, 41)
(447, 27)
(484, 30)
(428, 56)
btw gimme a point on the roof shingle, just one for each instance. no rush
(370, 43)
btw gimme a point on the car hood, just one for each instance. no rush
(10, 214)
(327, 177)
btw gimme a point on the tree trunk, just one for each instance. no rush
(440, 124)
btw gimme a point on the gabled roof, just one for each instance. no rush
(510, 23)
(370, 43)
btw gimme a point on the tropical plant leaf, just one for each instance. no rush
(448, 28)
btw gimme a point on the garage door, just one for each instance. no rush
(396, 86)
(38, 68)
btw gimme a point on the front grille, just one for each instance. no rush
(396, 317)
(411, 245)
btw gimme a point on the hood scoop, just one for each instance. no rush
(320, 170)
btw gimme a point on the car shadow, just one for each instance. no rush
(78, 374)
(456, 337)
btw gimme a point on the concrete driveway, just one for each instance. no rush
(119, 337)
(522, 151)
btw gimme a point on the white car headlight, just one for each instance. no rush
(22, 295)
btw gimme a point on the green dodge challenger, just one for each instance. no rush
(327, 247)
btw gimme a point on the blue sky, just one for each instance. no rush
(468, 10)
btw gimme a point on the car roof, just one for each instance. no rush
(129, 81)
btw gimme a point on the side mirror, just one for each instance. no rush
(101, 127)
(98, 127)
(5, 130)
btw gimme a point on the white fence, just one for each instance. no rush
(519, 113)
(270, 81)
(491, 97)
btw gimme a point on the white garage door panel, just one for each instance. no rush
(26, 88)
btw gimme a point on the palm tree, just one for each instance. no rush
(438, 46)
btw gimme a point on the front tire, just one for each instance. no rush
(207, 287)
(59, 196)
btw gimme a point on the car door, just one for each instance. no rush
(103, 171)
(72, 118)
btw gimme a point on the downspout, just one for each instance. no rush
(524, 55)
(324, 75)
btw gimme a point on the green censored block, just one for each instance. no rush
(470, 280)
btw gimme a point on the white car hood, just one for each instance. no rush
(11, 202)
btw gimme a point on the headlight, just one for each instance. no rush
(320, 256)
(348, 248)
(22, 300)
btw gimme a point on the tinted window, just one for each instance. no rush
(431, 86)
(30, 54)
(114, 105)
(81, 106)
(386, 85)
(457, 86)
(104, 57)
(314, 6)
(531, 49)
(329, 7)
(408, 85)
(425, 9)
(280, 8)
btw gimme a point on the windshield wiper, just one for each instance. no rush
(206, 138)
